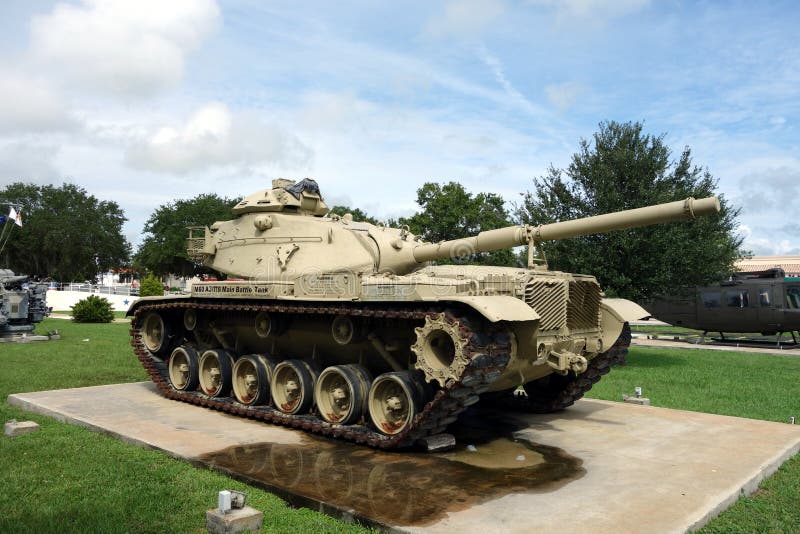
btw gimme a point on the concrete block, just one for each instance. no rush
(641, 401)
(437, 443)
(236, 520)
(15, 428)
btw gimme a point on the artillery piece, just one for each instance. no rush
(23, 303)
(343, 328)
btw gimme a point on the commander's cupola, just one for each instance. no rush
(301, 197)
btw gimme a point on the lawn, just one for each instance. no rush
(66, 478)
(117, 314)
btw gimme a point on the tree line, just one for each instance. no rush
(71, 235)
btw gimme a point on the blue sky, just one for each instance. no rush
(146, 102)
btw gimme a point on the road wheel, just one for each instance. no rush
(292, 386)
(341, 393)
(216, 372)
(394, 399)
(251, 376)
(183, 369)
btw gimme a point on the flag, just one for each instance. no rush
(15, 216)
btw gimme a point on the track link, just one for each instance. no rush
(489, 352)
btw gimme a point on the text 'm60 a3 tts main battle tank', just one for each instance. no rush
(343, 328)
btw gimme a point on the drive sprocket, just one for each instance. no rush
(440, 349)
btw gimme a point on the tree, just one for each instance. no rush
(623, 169)
(450, 212)
(163, 250)
(151, 287)
(92, 309)
(357, 213)
(67, 234)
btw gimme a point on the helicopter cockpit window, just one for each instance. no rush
(711, 299)
(763, 297)
(793, 297)
(738, 299)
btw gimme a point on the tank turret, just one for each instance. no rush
(269, 241)
(346, 329)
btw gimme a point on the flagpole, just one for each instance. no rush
(14, 217)
(3, 233)
(8, 236)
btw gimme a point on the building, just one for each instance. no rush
(790, 264)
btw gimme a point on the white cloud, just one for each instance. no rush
(328, 111)
(598, 10)
(465, 18)
(29, 104)
(28, 162)
(765, 185)
(563, 95)
(765, 191)
(496, 67)
(121, 47)
(214, 137)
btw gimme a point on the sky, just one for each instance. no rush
(148, 102)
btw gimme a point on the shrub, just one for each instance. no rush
(151, 287)
(92, 309)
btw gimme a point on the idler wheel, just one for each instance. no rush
(440, 349)
(292, 386)
(216, 372)
(156, 333)
(341, 393)
(183, 369)
(251, 376)
(394, 399)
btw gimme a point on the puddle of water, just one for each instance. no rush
(405, 488)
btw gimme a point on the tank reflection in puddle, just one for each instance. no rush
(404, 488)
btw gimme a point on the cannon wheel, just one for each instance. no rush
(555, 392)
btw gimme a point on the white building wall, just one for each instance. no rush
(64, 300)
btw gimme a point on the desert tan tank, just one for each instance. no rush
(344, 328)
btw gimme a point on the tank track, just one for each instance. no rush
(555, 392)
(489, 349)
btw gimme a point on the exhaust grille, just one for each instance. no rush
(549, 299)
(559, 303)
(583, 306)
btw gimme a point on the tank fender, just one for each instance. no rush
(615, 313)
(498, 307)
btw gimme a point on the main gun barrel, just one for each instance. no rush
(513, 236)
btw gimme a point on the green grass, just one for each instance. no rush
(660, 329)
(66, 478)
(117, 314)
(668, 331)
(757, 386)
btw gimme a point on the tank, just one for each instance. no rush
(23, 303)
(346, 329)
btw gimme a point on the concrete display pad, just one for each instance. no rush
(596, 467)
